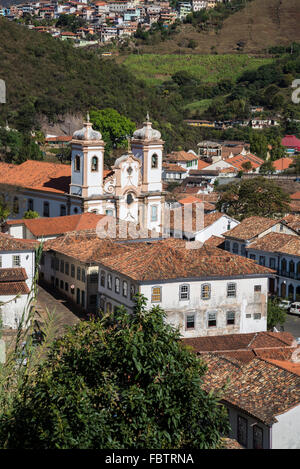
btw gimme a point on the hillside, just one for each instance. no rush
(260, 24)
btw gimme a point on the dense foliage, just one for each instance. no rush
(253, 197)
(276, 315)
(122, 383)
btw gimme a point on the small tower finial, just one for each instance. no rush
(147, 117)
(129, 144)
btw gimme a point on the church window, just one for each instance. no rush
(154, 213)
(94, 163)
(129, 199)
(154, 161)
(77, 163)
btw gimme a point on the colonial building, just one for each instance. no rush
(204, 291)
(131, 190)
(17, 265)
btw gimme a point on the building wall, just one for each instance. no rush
(216, 229)
(245, 305)
(53, 277)
(11, 312)
(27, 261)
(286, 431)
(233, 414)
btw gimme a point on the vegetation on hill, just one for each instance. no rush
(123, 382)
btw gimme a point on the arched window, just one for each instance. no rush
(30, 204)
(283, 265)
(94, 166)
(117, 285)
(154, 161)
(77, 163)
(129, 199)
(292, 267)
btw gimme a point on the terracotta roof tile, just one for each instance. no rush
(277, 242)
(58, 225)
(38, 175)
(181, 156)
(156, 261)
(282, 163)
(292, 221)
(238, 160)
(8, 243)
(14, 274)
(262, 389)
(13, 288)
(251, 227)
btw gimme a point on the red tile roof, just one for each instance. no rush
(290, 141)
(262, 389)
(202, 164)
(39, 175)
(295, 196)
(283, 163)
(251, 227)
(292, 221)
(181, 156)
(12, 281)
(278, 242)
(238, 160)
(174, 168)
(156, 261)
(40, 227)
(8, 243)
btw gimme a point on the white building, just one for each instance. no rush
(204, 291)
(130, 190)
(17, 267)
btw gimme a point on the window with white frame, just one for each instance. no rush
(190, 321)
(235, 248)
(230, 318)
(16, 261)
(231, 290)
(156, 295)
(184, 292)
(117, 285)
(212, 319)
(109, 281)
(205, 291)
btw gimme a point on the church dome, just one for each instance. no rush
(87, 132)
(146, 132)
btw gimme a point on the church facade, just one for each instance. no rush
(131, 190)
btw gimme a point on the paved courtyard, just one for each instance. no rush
(292, 325)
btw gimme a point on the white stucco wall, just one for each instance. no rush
(286, 431)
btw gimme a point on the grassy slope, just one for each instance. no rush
(155, 68)
(261, 24)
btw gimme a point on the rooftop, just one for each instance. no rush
(161, 261)
(48, 226)
(8, 243)
(181, 156)
(12, 281)
(278, 242)
(251, 227)
(262, 389)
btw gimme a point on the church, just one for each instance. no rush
(131, 190)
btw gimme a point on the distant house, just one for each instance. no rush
(172, 171)
(282, 164)
(262, 399)
(291, 144)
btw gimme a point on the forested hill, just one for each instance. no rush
(50, 77)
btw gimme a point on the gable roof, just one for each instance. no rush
(277, 242)
(290, 141)
(12, 281)
(48, 226)
(202, 164)
(283, 163)
(238, 160)
(261, 389)
(182, 156)
(39, 175)
(292, 221)
(251, 227)
(159, 261)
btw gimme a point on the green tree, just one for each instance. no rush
(276, 315)
(255, 196)
(114, 127)
(31, 214)
(122, 382)
(247, 166)
(4, 209)
(267, 168)
(259, 144)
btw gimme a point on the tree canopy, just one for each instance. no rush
(255, 196)
(121, 382)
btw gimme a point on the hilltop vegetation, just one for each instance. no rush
(252, 29)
